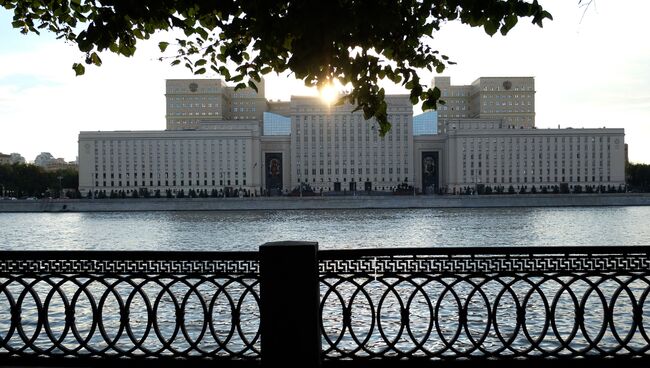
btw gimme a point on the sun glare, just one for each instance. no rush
(328, 94)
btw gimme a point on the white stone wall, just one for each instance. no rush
(227, 155)
(539, 157)
(331, 144)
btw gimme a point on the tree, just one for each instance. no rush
(353, 41)
(638, 177)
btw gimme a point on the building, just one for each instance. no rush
(43, 159)
(12, 158)
(60, 164)
(16, 158)
(193, 101)
(221, 139)
(5, 159)
(509, 99)
(534, 157)
(223, 155)
(335, 149)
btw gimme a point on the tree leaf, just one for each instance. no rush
(95, 59)
(79, 69)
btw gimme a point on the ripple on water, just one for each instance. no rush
(246, 230)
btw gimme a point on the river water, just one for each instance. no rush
(333, 229)
(491, 312)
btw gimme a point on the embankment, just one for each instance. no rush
(340, 202)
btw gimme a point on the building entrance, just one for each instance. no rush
(273, 171)
(430, 171)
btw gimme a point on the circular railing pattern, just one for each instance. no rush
(451, 316)
(132, 316)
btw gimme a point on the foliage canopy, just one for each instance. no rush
(356, 42)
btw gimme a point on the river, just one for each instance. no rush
(332, 229)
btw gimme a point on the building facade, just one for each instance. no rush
(218, 155)
(221, 139)
(5, 159)
(190, 102)
(535, 158)
(507, 99)
(334, 149)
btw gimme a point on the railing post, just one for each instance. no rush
(289, 298)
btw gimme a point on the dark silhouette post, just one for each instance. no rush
(289, 298)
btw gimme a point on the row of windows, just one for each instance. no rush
(191, 105)
(498, 96)
(518, 88)
(532, 171)
(532, 164)
(165, 142)
(244, 109)
(525, 156)
(533, 140)
(209, 113)
(390, 181)
(503, 111)
(352, 171)
(198, 90)
(181, 175)
(192, 98)
(167, 183)
(531, 179)
(504, 103)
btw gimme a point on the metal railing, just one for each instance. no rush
(291, 304)
(129, 306)
(486, 303)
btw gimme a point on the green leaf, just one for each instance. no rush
(79, 69)
(95, 59)
(163, 46)
(490, 27)
(200, 71)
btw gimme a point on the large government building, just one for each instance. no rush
(218, 138)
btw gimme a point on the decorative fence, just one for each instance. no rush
(290, 304)
(59, 307)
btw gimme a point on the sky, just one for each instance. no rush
(591, 69)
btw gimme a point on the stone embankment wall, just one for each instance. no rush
(347, 202)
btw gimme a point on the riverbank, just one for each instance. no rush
(347, 202)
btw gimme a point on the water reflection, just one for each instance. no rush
(241, 230)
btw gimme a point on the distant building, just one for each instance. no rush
(5, 159)
(219, 138)
(43, 159)
(17, 158)
(61, 164)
